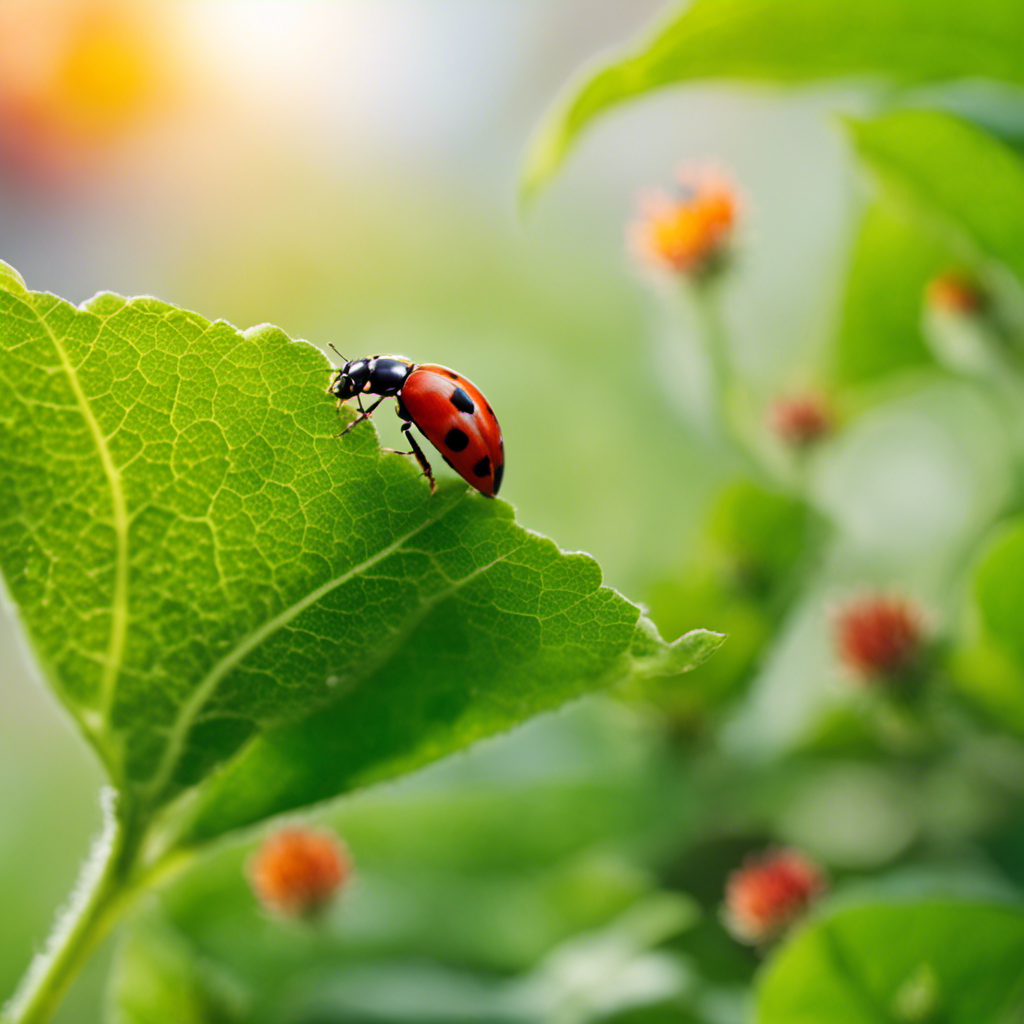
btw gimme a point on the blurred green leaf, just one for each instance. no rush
(992, 681)
(604, 972)
(487, 920)
(954, 962)
(291, 973)
(967, 183)
(987, 665)
(756, 547)
(760, 535)
(880, 330)
(209, 578)
(158, 978)
(901, 41)
(999, 589)
(747, 623)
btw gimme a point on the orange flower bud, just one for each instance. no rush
(687, 234)
(879, 635)
(952, 292)
(801, 420)
(766, 895)
(297, 870)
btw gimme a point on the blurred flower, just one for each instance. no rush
(965, 328)
(766, 895)
(953, 292)
(801, 420)
(297, 870)
(687, 234)
(879, 635)
(74, 78)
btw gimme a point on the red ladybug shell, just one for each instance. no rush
(458, 421)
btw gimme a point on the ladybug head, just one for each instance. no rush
(342, 386)
(350, 380)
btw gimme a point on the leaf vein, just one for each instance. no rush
(119, 510)
(193, 706)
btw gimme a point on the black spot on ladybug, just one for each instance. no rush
(462, 401)
(449, 373)
(498, 474)
(483, 467)
(490, 411)
(456, 439)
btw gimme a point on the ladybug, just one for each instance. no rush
(448, 409)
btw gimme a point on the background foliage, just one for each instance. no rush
(574, 870)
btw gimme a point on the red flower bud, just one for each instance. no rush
(879, 635)
(766, 895)
(297, 870)
(801, 420)
(952, 292)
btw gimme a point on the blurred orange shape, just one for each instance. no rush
(76, 77)
(801, 420)
(298, 870)
(953, 292)
(769, 893)
(687, 234)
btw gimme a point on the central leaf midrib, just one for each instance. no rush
(191, 708)
(119, 512)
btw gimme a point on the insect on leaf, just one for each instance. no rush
(210, 579)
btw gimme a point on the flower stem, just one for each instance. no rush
(110, 881)
(711, 323)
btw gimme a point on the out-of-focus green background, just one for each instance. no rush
(347, 172)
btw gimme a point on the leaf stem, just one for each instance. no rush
(109, 882)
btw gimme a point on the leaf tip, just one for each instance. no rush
(694, 648)
(655, 658)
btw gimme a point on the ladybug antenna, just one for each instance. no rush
(340, 356)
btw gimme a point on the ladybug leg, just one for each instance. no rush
(403, 414)
(364, 414)
(418, 452)
(341, 405)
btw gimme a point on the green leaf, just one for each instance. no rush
(762, 534)
(791, 41)
(506, 676)
(210, 579)
(992, 680)
(158, 977)
(987, 667)
(967, 183)
(880, 330)
(284, 972)
(756, 548)
(999, 589)
(954, 962)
